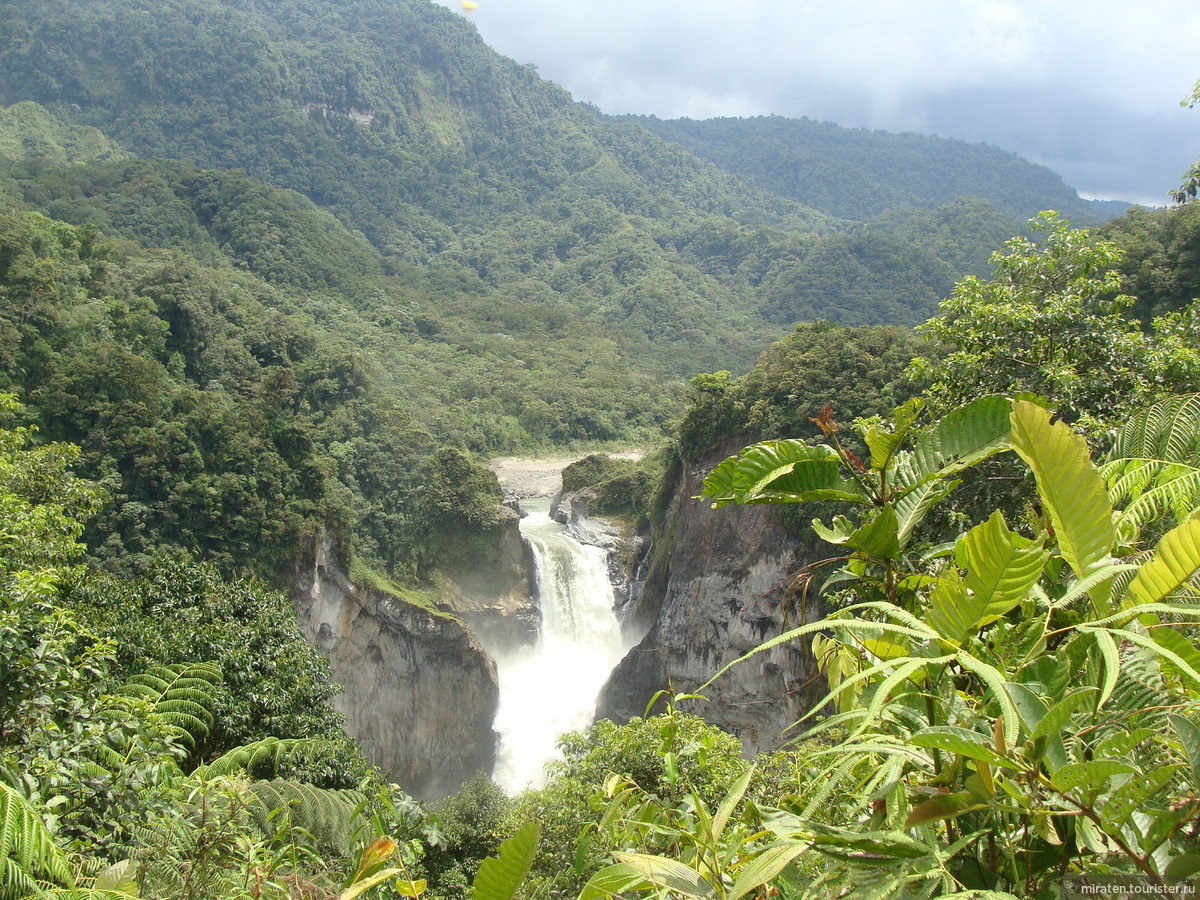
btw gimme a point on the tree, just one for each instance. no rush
(93, 767)
(1014, 708)
(1051, 322)
(1190, 186)
(44, 651)
(670, 757)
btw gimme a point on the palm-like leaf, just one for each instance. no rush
(27, 850)
(183, 694)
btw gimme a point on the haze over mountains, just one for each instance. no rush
(396, 118)
(525, 269)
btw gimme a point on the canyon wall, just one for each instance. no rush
(726, 584)
(420, 694)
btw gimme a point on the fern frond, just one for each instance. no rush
(1168, 430)
(267, 757)
(183, 694)
(1152, 490)
(328, 815)
(1140, 696)
(15, 882)
(27, 849)
(1155, 464)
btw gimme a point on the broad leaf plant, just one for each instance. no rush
(1005, 709)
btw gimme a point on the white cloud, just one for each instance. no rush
(1095, 70)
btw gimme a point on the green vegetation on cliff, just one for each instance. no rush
(272, 271)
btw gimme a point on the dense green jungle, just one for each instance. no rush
(273, 274)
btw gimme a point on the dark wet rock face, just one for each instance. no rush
(729, 585)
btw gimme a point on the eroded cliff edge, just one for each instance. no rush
(725, 584)
(420, 694)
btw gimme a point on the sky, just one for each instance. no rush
(1089, 88)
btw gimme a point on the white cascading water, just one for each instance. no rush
(550, 687)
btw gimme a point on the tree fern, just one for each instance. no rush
(1154, 465)
(27, 849)
(183, 695)
(265, 758)
(328, 815)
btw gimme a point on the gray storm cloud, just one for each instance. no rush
(1091, 89)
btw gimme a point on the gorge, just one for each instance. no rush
(491, 684)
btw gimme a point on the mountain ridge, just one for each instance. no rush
(834, 168)
(398, 119)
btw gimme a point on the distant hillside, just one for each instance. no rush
(858, 174)
(394, 116)
(28, 132)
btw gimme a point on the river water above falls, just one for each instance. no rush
(550, 687)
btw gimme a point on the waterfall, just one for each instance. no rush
(550, 687)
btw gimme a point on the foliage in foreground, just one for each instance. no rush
(1016, 705)
(105, 786)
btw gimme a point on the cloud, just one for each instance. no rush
(1090, 87)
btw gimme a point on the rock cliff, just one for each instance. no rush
(726, 584)
(420, 693)
(495, 596)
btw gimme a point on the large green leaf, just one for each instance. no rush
(1001, 565)
(943, 806)
(780, 472)
(883, 442)
(863, 845)
(613, 881)
(119, 878)
(1175, 560)
(960, 439)
(962, 741)
(1091, 775)
(964, 437)
(765, 867)
(877, 538)
(949, 608)
(500, 877)
(1071, 489)
(916, 493)
(1189, 737)
(361, 887)
(1001, 568)
(732, 798)
(670, 874)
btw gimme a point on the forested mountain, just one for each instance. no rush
(357, 221)
(858, 174)
(400, 121)
(276, 274)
